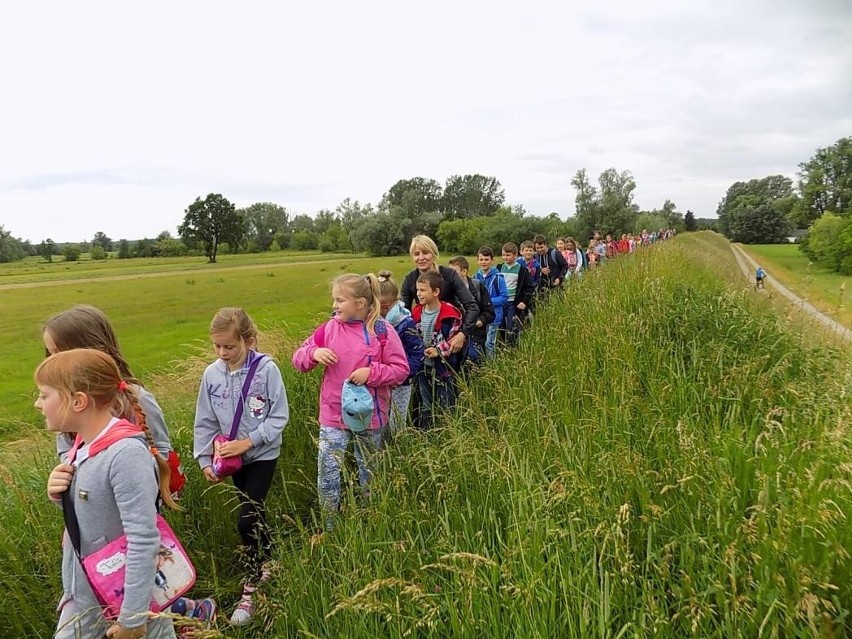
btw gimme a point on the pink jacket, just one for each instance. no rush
(354, 348)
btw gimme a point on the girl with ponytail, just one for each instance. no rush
(363, 360)
(113, 489)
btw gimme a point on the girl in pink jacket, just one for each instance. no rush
(358, 349)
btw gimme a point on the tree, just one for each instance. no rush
(71, 252)
(103, 241)
(11, 249)
(823, 243)
(608, 208)
(47, 249)
(263, 221)
(302, 222)
(415, 196)
(350, 213)
(689, 221)
(123, 249)
(212, 221)
(97, 252)
(472, 196)
(825, 183)
(756, 212)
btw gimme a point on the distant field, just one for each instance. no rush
(824, 289)
(156, 317)
(36, 269)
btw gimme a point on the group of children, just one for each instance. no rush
(375, 353)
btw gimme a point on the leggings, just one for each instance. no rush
(253, 481)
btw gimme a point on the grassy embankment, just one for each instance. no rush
(666, 460)
(824, 289)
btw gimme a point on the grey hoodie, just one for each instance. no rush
(114, 494)
(265, 412)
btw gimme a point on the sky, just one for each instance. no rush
(115, 117)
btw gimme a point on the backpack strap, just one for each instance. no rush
(238, 414)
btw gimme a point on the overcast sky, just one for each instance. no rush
(114, 119)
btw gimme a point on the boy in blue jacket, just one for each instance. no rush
(495, 284)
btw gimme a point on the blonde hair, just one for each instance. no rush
(426, 244)
(234, 320)
(365, 287)
(387, 286)
(94, 373)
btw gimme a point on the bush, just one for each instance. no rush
(98, 253)
(71, 252)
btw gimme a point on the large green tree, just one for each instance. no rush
(609, 208)
(757, 211)
(467, 196)
(11, 248)
(101, 239)
(263, 220)
(689, 221)
(825, 183)
(414, 197)
(211, 222)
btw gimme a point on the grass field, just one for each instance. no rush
(822, 288)
(667, 459)
(157, 316)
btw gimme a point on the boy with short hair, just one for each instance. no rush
(437, 322)
(495, 284)
(553, 265)
(483, 300)
(519, 290)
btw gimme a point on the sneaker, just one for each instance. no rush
(245, 609)
(205, 611)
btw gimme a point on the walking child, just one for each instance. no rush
(759, 276)
(438, 322)
(240, 417)
(520, 292)
(85, 326)
(113, 492)
(478, 336)
(395, 313)
(363, 360)
(495, 284)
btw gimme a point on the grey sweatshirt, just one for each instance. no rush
(114, 494)
(265, 411)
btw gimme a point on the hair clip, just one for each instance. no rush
(122, 386)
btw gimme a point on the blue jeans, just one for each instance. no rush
(436, 394)
(511, 324)
(491, 340)
(400, 398)
(333, 443)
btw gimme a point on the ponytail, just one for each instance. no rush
(129, 403)
(374, 303)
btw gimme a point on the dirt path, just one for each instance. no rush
(189, 271)
(748, 266)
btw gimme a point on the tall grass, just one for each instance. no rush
(660, 457)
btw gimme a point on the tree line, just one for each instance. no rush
(463, 213)
(771, 209)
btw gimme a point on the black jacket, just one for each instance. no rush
(558, 268)
(455, 292)
(486, 308)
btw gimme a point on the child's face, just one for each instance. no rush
(386, 303)
(541, 249)
(509, 258)
(560, 245)
(425, 295)
(345, 306)
(484, 261)
(527, 252)
(230, 348)
(51, 404)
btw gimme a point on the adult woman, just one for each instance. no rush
(424, 254)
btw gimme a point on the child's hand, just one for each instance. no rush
(521, 306)
(359, 375)
(210, 476)
(431, 352)
(59, 480)
(325, 356)
(117, 631)
(234, 448)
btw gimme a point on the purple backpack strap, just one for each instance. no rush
(238, 414)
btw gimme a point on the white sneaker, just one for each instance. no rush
(245, 609)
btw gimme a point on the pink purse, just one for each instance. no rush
(227, 466)
(105, 568)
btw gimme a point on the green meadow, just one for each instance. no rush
(663, 456)
(823, 288)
